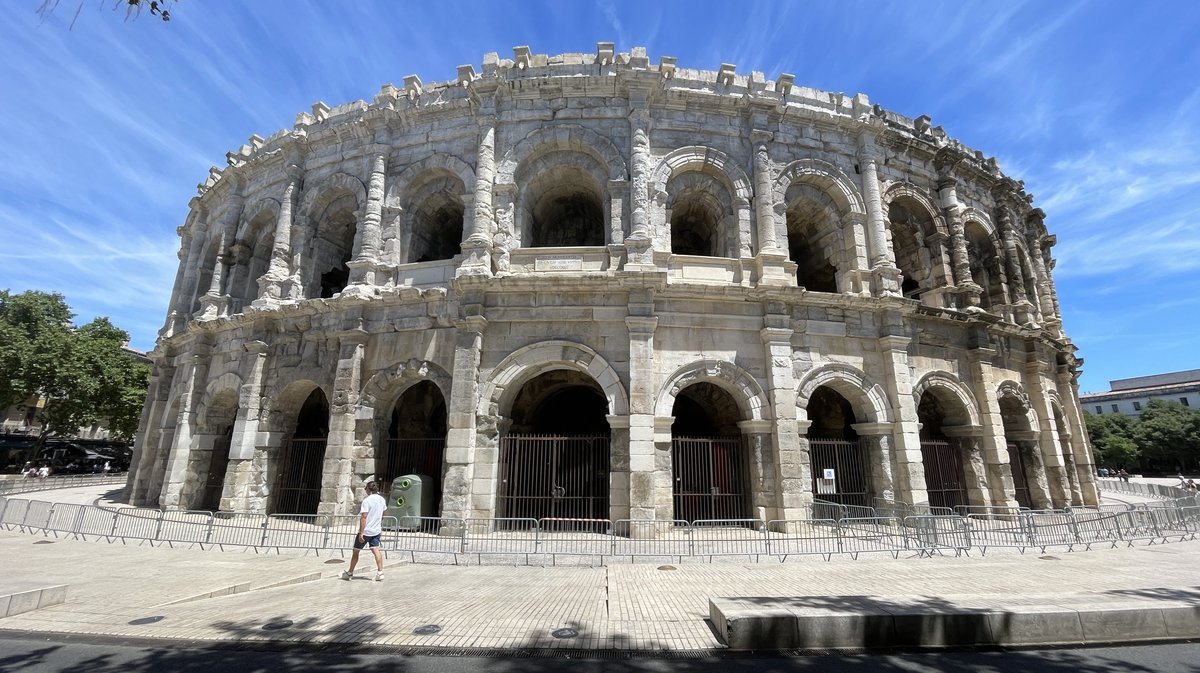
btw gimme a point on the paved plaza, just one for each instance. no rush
(130, 590)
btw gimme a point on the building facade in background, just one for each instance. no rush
(1130, 396)
(595, 286)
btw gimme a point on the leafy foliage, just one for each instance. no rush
(1166, 432)
(83, 375)
(133, 8)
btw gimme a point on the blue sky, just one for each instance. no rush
(106, 129)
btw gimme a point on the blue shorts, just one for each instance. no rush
(372, 540)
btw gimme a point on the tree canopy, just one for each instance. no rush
(1167, 434)
(82, 375)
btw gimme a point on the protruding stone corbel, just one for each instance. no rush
(320, 111)
(783, 85)
(666, 66)
(521, 56)
(604, 53)
(412, 86)
(466, 74)
(726, 73)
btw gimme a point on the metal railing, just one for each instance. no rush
(530, 541)
(32, 484)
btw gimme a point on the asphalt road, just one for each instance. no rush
(21, 653)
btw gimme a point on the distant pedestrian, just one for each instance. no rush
(1191, 485)
(43, 472)
(370, 528)
(1104, 472)
(107, 467)
(1123, 475)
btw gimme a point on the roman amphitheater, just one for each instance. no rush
(597, 286)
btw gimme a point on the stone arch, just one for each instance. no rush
(267, 206)
(561, 137)
(813, 223)
(826, 177)
(947, 386)
(281, 403)
(1013, 390)
(980, 218)
(746, 391)
(869, 398)
(413, 175)
(385, 387)
(315, 196)
(701, 212)
(562, 194)
(909, 191)
(705, 159)
(911, 220)
(525, 363)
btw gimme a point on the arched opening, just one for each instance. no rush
(416, 440)
(1030, 279)
(985, 266)
(909, 225)
(333, 245)
(565, 209)
(214, 475)
(839, 465)
(204, 274)
(941, 457)
(1020, 452)
(298, 489)
(809, 223)
(696, 224)
(710, 464)
(1064, 444)
(554, 460)
(254, 258)
(437, 228)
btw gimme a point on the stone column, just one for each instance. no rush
(769, 262)
(967, 440)
(1049, 315)
(244, 489)
(756, 435)
(744, 217)
(648, 476)
(182, 442)
(663, 487)
(1035, 474)
(1016, 277)
(478, 245)
(993, 442)
(618, 469)
(638, 252)
(457, 501)
(1058, 490)
(883, 267)
(280, 268)
(365, 265)
(1085, 463)
(618, 194)
(175, 316)
(148, 441)
(302, 232)
(212, 303)
(969, 291)
(184, 298)
(875, 439)
(337, 483)
(908, 471)
(793, 475)
(856, 279)
(943, 293)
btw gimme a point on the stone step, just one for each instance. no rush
(17, 596)
(870, 622)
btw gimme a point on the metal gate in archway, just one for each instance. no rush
(214, 481)
(944, 478)
(553, 476)
(711, 478)
(1016, 462)
(299, 485)
(844, 460)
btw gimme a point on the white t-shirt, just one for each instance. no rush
(373, 506)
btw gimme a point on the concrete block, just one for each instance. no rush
(1107, 625)
(23, 601)
(1035, 625)
(940, 626)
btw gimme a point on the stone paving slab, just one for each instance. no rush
(627, 606)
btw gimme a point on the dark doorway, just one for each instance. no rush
(942, 459)
(838, 464)
(303, 459)
(218, 463)
(709, 459)
(416, 439)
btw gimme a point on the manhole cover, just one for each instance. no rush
(44, 542)
(146, 620)
(277, 625)
(667, 568)
(564, 633)
(426, 630)
(335, 560)
(1049, 558)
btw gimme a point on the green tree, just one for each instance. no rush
(1168, 431)
(82, 375)
(1112, 439)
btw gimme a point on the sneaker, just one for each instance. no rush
(379, 576)
(347, 575)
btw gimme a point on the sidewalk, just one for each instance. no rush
(119, 590)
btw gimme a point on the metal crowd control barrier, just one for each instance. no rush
(32, 484)
(529, 541)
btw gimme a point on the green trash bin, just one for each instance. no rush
(410, 499)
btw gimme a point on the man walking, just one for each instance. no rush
(370, 528)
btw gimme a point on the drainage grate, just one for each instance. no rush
(277, 625)
(426, 630)
(141, 621)
(564, 633)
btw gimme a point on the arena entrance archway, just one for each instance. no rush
(214, 480)
(834, 446)
(941, 458)
(709, 460)
(298, 489)
(554, 461)
(1016, 425)
(416, 439)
